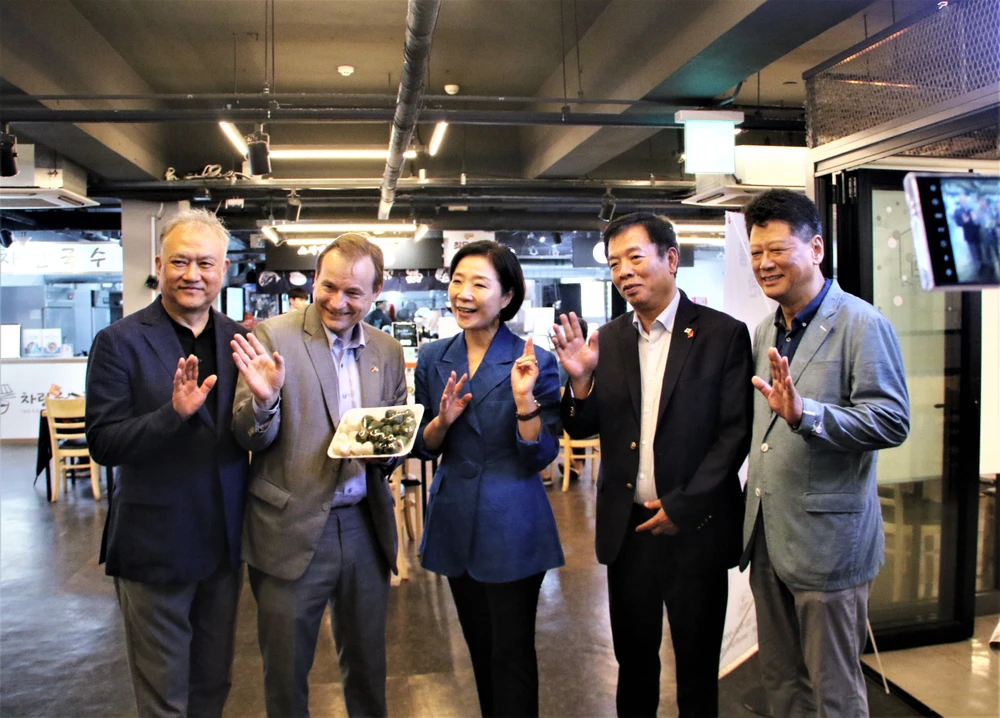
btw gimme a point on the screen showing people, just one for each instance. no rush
(954, 222)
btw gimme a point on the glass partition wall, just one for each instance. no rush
(928, 486)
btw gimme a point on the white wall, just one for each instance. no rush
(989, 446)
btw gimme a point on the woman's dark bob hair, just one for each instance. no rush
(507, 267)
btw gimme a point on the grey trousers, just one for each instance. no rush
(810, 643)
(179, 638)
(349, 572)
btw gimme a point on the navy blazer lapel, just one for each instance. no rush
(226, 372)
(496, 365)
(456, 359)
(681, 341)
(821, 327)
(160, 335)
(628, 348)
(318, 348)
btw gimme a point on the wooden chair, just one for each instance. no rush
(592, 450)
(69, 443)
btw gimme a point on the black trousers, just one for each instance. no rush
(650, 572)
(498, 622)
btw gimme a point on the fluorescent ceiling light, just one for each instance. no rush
(436, 138)
(320, 153)
(308, 242)
(421, 232)
(235, 136)
(712, 241)
(270, 234)
(699, 228)
(373, 227)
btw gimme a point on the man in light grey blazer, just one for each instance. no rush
(319, 530)
(831, 393)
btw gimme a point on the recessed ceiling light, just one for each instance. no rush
(451, 89)
(346, 70)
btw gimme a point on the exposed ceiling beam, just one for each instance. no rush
(701, 53)
(49, 47)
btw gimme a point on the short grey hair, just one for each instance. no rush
(198, 218)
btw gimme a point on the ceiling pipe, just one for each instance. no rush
(421, 17)
(361, 114)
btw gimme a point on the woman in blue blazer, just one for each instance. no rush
(492, 413)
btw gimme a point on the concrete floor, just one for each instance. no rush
(62, 644)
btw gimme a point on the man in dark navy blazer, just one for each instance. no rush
(671, 399)
(160, 387)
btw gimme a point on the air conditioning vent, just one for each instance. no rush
(29, 198)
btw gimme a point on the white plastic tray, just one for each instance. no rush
(353, 416)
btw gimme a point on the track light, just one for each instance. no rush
(258, 153)
(608, 204)
(293, 207)
(6, 238)
(8, 153)
(557, 238)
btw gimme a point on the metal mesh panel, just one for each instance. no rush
(942, 56)
(979, 145)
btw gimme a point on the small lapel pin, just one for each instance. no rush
(373, 369)
(689, 333)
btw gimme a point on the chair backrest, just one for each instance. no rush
(66, 418)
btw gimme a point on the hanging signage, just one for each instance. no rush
(62, 258)
(455, 240)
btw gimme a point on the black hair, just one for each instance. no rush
(298, 293)
(505, 264)
(783, 205)
(658, 228)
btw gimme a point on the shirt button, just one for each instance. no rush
(764, 447)
(326, 506)
(645, 443)
(629, 486)
(756, 492)
(632, 446)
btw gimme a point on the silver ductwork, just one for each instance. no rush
(421, 17)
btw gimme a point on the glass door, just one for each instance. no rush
(928, 486)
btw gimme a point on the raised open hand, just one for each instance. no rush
(188, 396)
(577, 355)
(781, 394)
(524, 373)
(453, 403)
(264, 373)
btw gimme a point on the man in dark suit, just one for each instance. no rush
(671, 400)
(319, 530)
(160, 385)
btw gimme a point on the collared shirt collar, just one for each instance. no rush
(806, 315)
(357, 338)
(665, 318)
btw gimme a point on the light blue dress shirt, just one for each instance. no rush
(352, 486)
